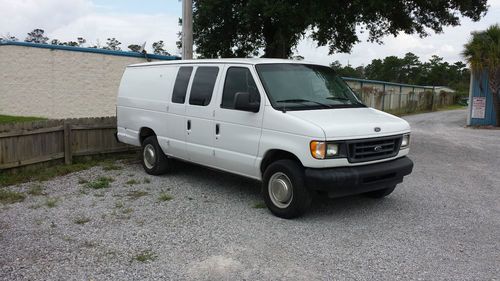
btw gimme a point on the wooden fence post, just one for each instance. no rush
(67, 144)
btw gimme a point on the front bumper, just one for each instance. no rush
(344, 181)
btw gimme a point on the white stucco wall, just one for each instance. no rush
(59, 83)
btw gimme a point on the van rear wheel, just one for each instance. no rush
(284, 189)
(154, 161)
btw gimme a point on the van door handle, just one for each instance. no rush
(217, 129)
(189, 125)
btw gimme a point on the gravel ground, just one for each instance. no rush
(442, 223)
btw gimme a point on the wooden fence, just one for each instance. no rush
(27, 143)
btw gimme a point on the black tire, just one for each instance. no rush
(157, 165)
(301, 197)
(380, 193)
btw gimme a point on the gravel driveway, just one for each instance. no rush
(442, 223)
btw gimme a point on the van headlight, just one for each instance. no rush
(405, 142)
(322, 150)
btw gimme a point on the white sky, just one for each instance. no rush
(134, 21)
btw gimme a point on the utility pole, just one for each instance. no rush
(187, 29)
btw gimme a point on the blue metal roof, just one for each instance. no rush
(88, 50)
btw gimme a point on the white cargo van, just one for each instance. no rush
(297, 127)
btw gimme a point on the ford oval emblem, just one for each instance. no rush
(377, 148)
(376, 129)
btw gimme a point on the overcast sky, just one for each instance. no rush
(133, 22)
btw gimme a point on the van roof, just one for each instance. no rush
(252, 61)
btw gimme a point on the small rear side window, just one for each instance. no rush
(181, 84)
(203, 85)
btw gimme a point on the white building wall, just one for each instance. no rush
(59, 83)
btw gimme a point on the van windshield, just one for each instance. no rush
(292, 86)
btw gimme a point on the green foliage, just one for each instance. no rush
(134, 48)
(137, 194)
(132, 182)
(51, 202)
(112, 44)
(36, 190)
(483, 49)
(237, 28)
(100, 183)
(146, 256)
(259, 205)
(47, 173)
(159, 48)
(9, 197)
(110, 166)
(14, 119)
(410, 70)
(82, 220)
(37, 36)
(164, 197)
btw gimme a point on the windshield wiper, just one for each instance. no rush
(303, 101)
(337, 98)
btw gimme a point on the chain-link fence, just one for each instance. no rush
(399, 98)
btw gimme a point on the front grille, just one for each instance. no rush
(373, 149)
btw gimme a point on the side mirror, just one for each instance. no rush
(242, 102)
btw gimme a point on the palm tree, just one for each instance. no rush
(482, 52)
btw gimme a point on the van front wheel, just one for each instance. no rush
(154, 161)
(284, 190)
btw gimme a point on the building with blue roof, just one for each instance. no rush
(56, 81)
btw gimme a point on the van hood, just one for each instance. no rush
(350, 123)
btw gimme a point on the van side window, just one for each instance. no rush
(203, 85)
(238, 79)
(181, 84)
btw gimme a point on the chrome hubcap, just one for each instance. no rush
(280, 190)
(149, 156)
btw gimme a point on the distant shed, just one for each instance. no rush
(62, 81)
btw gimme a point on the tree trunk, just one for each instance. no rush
(277, 45)
(494, 84)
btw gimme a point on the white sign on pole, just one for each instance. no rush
(478, 107)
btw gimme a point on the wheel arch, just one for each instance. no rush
(273, 155)
(145, 132)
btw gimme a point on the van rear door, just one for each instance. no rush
(199, 113)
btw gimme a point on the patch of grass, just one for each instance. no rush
(111, 167)
(119, 204)
(47, 173)
(82, 180)
(100, 183)
(146, 256)
(132, 182)
(146, 180)
(51, 202)
(127, 211)
(259, 205)
(36, 190)
(137, 194)
(4, 119)
(10, 197)
(81, 220)
(165, 197)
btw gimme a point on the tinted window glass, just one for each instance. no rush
(203, 85)
(238, 79)
(181, 84)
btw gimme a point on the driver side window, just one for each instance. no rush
(238, 79)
